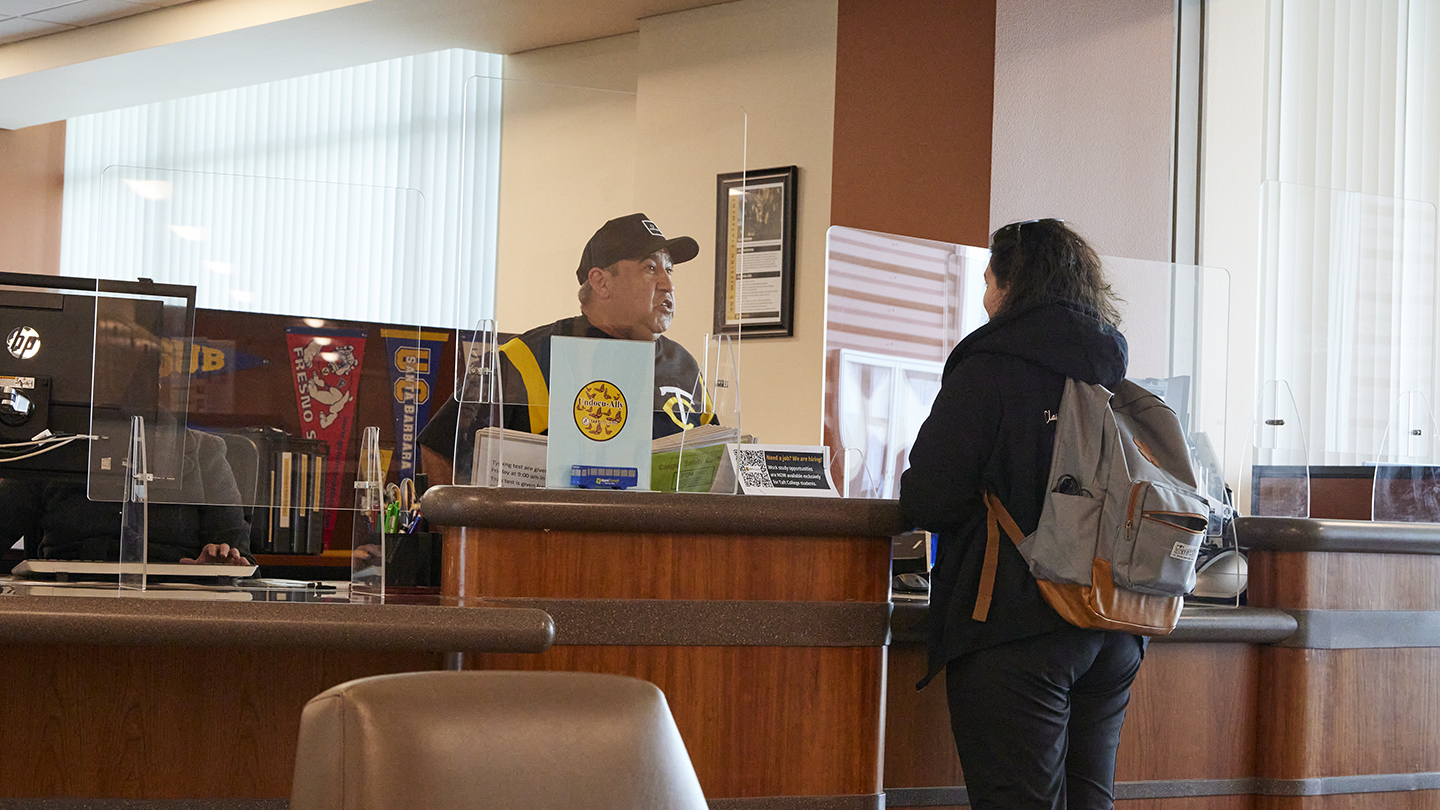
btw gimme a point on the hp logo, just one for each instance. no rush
(24, 342)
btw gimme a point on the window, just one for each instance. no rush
(368, 193)
(1348, 255)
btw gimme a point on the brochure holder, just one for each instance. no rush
(368, 541)
(1407, 469)
(1280, 455)
(134, 515)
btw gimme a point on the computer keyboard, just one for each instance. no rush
(101, 569)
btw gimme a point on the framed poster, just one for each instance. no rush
(755, 252)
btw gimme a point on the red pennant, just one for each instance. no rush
(325, 364)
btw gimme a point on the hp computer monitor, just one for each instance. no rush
(59, 418)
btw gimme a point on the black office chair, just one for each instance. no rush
(442, 740)
(244, 458)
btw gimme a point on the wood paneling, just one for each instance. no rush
(757, 721)
(1192, 714)
(919, 746)
(1336, 581)
(1171, 730)
(914, 99)
(164, 722)
(1349, 712)
(572, 565)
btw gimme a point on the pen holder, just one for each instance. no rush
(413, 560)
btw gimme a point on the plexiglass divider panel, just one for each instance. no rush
(312, 320)
(887, 341)
(1348, 283)
(256, 415)
(245, 244)
(620, 153)
(896, 306)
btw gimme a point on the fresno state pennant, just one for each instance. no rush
(325, 364)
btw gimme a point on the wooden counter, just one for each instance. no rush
(1349, 706)
(146, 697)
(763, 620)
(1323, 693)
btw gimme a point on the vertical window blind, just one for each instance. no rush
(368, 193)
(1348, 254)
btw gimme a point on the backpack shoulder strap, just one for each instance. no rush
(996, 518)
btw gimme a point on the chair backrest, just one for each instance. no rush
(440, 740)
(244, 459)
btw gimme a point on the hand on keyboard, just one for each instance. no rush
(217, 554)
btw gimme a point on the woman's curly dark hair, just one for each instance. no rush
(1042, 259)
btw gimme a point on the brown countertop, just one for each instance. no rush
(213, 621)
(1216, 624)
(659, 512)
(1355, 536)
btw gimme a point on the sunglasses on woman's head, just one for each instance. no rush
(1012, 232)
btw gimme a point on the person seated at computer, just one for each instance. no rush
(626, 294)
(59, 521)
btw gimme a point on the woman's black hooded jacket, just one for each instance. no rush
(992, 427)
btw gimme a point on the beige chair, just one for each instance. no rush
(439, 740)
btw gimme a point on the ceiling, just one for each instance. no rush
(173, 49)
(27, 19)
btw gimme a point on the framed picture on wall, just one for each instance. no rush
(755, 252)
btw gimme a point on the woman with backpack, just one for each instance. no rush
(1036, 703)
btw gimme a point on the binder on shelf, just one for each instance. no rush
(315, 536)
(290, 520)
(282, 511)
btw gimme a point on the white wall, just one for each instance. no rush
(744, 84)
(1084, 120)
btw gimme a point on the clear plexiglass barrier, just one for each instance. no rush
(898, 305)
(248, 420)
(543, 396)
(1349, 346)
(884, 361)
(284, 399)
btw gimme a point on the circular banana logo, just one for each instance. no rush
(600, 410)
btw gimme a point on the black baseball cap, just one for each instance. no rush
(631, 237)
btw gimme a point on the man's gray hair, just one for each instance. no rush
(586, 292)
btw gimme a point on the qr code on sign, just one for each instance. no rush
(752, 468)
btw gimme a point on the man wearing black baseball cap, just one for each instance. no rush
(625, 293)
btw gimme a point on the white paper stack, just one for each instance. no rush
(508, 458)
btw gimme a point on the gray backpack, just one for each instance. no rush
(1122, 521)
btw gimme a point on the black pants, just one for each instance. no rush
(1037, 721)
